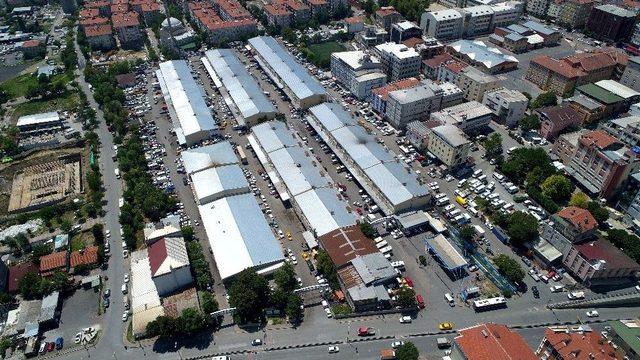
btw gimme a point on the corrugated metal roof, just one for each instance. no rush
(396, 182)
(239, 234)
(186, 97)
(144, 294)
(42, 118)
(208, 156)
(290, 72)
(243, 88)
(324, 211)
(297, 169)
(617, 88)
(481, 53)
(273, 135)
(213, 183)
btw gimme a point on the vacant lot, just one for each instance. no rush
(67, 102)
(18, 86)
(320, 54)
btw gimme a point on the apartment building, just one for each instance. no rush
(490, 341)
(538, 8)
(626, 129)
(380, 96)
(219, 30)
(508, 106)
(443, 24)
(358, 71)
(278, 15)
(451, 94)
(418, 134)
(555, 119)
(387, 15)
(449, 144)
(474, 83)
(601, 163)
(477, 20)
(574, 13)
(574, 223)
(127, 27)
(450, 71)
(404, 30)
(372, 36)
(626, 334)
(610, 22)
(100, 37)
(574, 342)
(631, 75)
(506, 13)
(399, 61)
(566, 145)
(562, 76)
(413, 104)
(600, 262)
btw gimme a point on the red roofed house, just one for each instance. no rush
(576, 224)
(354, 24)
(301, 12)
(490, 342)
(52, 262)
(17, 272)
(32, 48)
(230, 10)
(278, 15)
(430, 66)
(169, 263)
(566, 343)
(450, 71)
(555, 119)
(103, 7)
(599, 262)
(146, 8)
(127, 26)
(98, 20)
(561, 76)
(318, 6)
(387, 15)
(100, 37)
(89, 13)
(220, 30)
(601, 163)
(88, 256)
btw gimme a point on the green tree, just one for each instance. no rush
(39, 251)
(545, 99)
(408, 351)
(293, 310)
(529, 122)
(191, 321)
(209, 303)
(29, 286)
(65, 225)
(509, 267)
(163, 326)
(327, 268)
(369, 7)
(557, 187)
(367, 230)
(600, 213)
(97, 231)
(285, 278)
(6, 298)
(522, 228)
(524, 160)
(407, 297)
(579, 199)
(249, 294)
(493, 146)
(630, 244)
(467, 233)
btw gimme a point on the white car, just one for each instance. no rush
(397, 344)
(78, 338)
(126, 278)
(333, 349)
(637, 287)
(405, 320)
(125, 317)
(328, 312)
(593, 313)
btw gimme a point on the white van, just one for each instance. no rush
(498, 176)
(449, 299)
(473, 211)
(477, 173)
(124, 288)
(442, 201)
(462, 182)
(511, 149)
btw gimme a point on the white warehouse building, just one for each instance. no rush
(308, 184)
(393, 186)
(302, 88)
(225, 68)
(191, 117)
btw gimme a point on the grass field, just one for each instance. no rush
(67, 102)
(18, 86)
(320, 54)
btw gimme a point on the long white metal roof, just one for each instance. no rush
(144, 294)
(310, 186)
(294, 76)
(394, 180)
(216, 182)
(239, 234)
(204, 157)
(42, 118)
(243, 88)
(186, 97)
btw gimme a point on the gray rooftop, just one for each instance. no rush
(451, 134)
(373, 268)
(423, 91)
(208, 156)
(539, 28)
(49, 306)
(585, 101)
(615, 10)
(478, 76)
(290, 72)
(518, 28)
(243, 88)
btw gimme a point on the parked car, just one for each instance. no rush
(593, 313)
(405, 320)
(59, 343)
(445, 326)
(333, 349)
(256, 342)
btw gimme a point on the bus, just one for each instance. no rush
(489, 304)
(243, 157)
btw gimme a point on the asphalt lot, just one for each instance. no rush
(71, 320)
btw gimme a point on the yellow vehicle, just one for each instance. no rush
(445, 326)
(460, 200)
(289, 235)
(305, 256)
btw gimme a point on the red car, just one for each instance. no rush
(409, 282)
(420, 301)
(51, 346)
(359, 211)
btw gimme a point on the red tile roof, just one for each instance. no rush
(398, 85)
(233, 9)
(317, 2)
(97, 30)
(456, 66)
(127, 19)
(587, 345)
(31, 43)
(557, 66)
(98, 20)
(119, 8)
(150, 7)
(385, 11)
(345, 244)
(17, 272)
(413, 42)
(157, 254)
(599, 138)
(89, 13)
(560, 115)
(96, 4)
(87, 256)
(276, 10)
(53, 261)
(580, 218)
(438, 60)
(602, 249)
(354, 20)
(493, 342)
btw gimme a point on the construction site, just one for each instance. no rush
(45, 182)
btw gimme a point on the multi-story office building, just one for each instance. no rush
(443, 24)
(358, 71)
(631, 75)
(474, 83)
(449, 144)
(601, 163)
(477, 20)
(507, 105)
(417, 103)
(399, 61)
(609, 22)
(574, 13)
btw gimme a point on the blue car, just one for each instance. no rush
(105, 303)
(59, 343)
